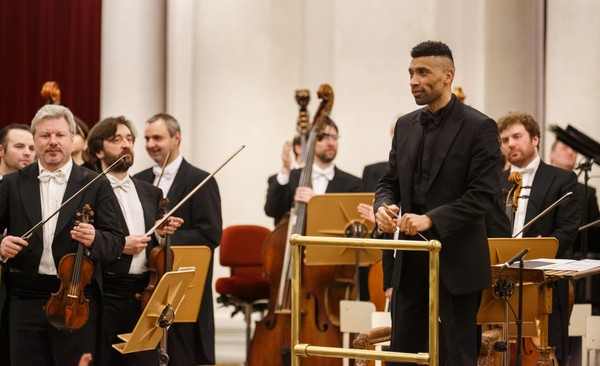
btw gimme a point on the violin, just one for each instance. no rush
(512, 198)
(68, 308)
(160, 261)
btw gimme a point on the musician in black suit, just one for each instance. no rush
(326, 177)
(27, 196)
(188, 343)
(372, 174)
(126, 277)
(543, 185)
(444, 171)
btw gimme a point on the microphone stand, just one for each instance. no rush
(585, 167)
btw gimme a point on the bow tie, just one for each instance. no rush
(327, 174)
(166, 175)
(124, 184)
(58, 176)
(524, 170)
(428, 119)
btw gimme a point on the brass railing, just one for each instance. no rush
(306, 350)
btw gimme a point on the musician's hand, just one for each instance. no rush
(385, 218)
(366, 212)
(303, 194)
(388, 293)
(411, 224)
(84, 233)
(85, 359)
(135, 244)
(286, 157)
(11, 246)
(170, 226)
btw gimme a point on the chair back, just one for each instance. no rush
(241, 249)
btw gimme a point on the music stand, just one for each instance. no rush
(494, 310)
(162, 307)
(198, 257)
(332, 214)
(193, 261)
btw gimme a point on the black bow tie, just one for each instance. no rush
(426, 117)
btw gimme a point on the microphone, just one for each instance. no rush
(517, 257)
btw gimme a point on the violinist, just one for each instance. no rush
(326, 177)
(28, 196)
(188, 343)
(16, 148)
(124, 278)
(543, 184)
(444, 172)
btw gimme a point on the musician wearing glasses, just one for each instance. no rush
(126, 277)
(188, 343)
(542, 185)
(35, 193)
(326, 177)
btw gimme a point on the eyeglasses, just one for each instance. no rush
(325, 136)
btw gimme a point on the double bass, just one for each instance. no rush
(271, 344)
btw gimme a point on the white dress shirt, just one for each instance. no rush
(320, 178)
(168, 176)
(134, 217)
(527, 175)
(52, 191)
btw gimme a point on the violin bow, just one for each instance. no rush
(189, 195)
(28, 234)
(162, 171)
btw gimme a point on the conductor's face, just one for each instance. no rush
(53, 142)
(430, 78)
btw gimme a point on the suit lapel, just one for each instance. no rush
(415, 133)
(29, 187)
(76, 182)
(540, 186)
(149, 208)
(179, 184)
(447, 133)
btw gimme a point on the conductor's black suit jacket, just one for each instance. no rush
(463, 185)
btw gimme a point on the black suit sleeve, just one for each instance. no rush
(279, 199)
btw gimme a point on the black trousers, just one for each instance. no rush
(120, 313)
(33, 340)
(458, 343)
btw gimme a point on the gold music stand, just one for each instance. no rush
(336, 214)
(162, 307)
(177, 298)
(198, 257)
(536, 295)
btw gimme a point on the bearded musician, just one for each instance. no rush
(542, 185)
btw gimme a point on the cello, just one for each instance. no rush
(271, 343)
(68, 308)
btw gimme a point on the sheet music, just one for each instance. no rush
(560, 264)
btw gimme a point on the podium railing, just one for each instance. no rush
(306, 350)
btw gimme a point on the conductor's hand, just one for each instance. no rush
(84, 233)
(366, 212)
(411, 224)
(385, 218)
(135, 244)
(11, 246)
(170, 226)
(303, 194)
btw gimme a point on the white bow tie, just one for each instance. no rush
(58, 176)
(327, 174)
(157, 170)
(124, 184)
(524, 170)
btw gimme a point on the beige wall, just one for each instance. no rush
(228, 71)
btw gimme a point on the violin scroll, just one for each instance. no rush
(51, 92)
